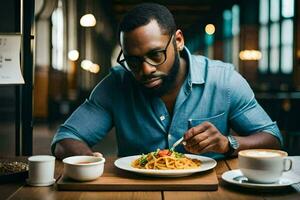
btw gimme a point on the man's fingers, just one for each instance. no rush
(197, 148)
(196, 139)
(97, 154)
(196, 130)
(204, 138)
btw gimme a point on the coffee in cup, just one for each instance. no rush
(263, 165)
(41, 170)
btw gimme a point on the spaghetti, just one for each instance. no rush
(165, 159)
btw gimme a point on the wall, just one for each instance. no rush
(9, 23)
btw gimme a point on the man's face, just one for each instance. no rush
(147, 42)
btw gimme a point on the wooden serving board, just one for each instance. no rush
(117, 179)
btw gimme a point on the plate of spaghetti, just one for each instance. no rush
(165, 163)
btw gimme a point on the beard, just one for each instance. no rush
(168, 80)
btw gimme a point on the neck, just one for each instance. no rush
(170, 97)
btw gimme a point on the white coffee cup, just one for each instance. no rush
(41, 170)
(263, 165)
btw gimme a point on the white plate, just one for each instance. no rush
(206, 164)
(236, 177)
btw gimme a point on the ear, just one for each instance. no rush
(179, 40)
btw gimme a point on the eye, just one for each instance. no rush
(132, 59)
(133, 62)
(156, 56)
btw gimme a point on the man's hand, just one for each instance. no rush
(71, 147)
(205, 138)
(97, 154)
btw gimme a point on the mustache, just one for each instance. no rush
(157, 74)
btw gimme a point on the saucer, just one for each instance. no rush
(236, 177)
(40, 184)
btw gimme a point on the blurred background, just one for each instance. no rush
(68, 46)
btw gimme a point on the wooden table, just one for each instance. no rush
(19, 190)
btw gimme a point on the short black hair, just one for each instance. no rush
(143, 13)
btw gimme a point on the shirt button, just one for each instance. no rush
(162, 118)
(169, 136)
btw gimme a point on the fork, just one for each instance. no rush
(177, 143)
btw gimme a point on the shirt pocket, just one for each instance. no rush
(219, 121)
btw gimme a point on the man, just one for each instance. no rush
(161, 93)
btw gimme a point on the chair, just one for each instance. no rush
(291, 129)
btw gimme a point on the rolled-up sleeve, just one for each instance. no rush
(91, 121)
(246, 116)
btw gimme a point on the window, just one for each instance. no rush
(57, 37)
(227, 33)
(231, 31)
(276, 36)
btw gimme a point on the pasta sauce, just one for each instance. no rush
(165, 160)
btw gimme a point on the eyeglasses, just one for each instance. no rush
(153, 58)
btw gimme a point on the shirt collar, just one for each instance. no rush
(195, 66)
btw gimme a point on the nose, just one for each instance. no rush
(147, 69)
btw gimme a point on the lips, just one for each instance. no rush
(152, 82)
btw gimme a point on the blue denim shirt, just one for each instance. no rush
(213, 91)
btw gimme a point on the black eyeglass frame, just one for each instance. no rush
(143, 58)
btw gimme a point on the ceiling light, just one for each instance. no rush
(210, 29)
(95, 68)
(73, 55)
(86, 64)
(88, 20)
(250, 55)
